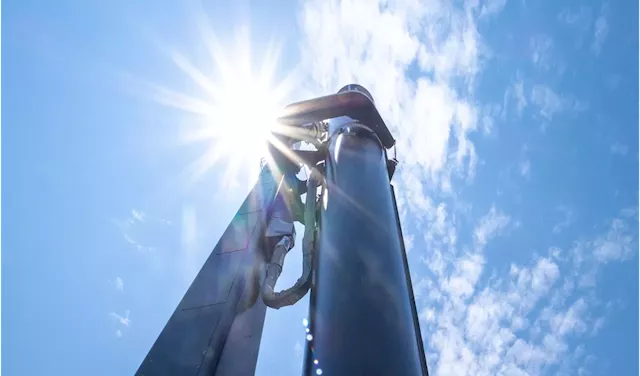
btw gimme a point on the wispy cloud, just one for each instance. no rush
(619, 149)
(576, 16)
(490, 225)
(135, 216)
(522, 322)
(616, 244)
(123, 320)
(138, 215)
(421, 64)
(492, 7)
(514, 95)
(550, 103)
(541, 51)
(547, 100)
(566, 221)
(135, 244)
(601, 29)
(525, 169)
(521, 100)
(131, 225)
(119, 283)
(440, 41)
(579, 21)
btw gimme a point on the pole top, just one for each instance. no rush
(352, 100)
(358, 88)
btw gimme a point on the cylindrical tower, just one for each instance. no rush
(362, 315)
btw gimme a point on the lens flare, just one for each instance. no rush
(236, 110)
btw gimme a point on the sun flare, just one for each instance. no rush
(237, 112)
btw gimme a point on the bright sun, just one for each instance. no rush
(238, 111)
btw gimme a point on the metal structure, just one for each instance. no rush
(362, 314)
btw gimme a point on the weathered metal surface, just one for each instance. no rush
(221, 305)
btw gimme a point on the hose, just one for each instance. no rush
(291, 295)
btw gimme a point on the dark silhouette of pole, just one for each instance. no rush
(362, 318)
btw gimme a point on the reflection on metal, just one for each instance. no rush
(362, 315)
(220, 319)
(361, 306)
(238, 234)
(357, 88)
(293, 294)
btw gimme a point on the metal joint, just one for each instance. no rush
(358, 130)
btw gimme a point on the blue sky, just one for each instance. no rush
(517, 131)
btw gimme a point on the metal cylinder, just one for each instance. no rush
(361, 316)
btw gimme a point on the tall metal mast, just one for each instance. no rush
(362, 314)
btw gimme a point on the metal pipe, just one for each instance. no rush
(361, 319)
(291, 295)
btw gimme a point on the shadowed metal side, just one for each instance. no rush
(217, 327)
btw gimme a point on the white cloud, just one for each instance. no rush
(629, 213)
(550, 103)
(567, 220)
(570, 320)
(420, 63)
(525, 168)
(135, 244)
(541, 51)
(520, 97)
(489, 113)
(601, 30)
(118, 333)
(544, 276)
(408, 240)
(526, 321)
(428, 315)
(620, 149)
(617, 244)
(597, 326)
(525, 354)
(134, 223)
(490, 225)
(123, 320)
(492, 7)
(579, 22)
(119, 284)
(547, 100)
(375, 44)
(514, 93)
(461, 284)
(138, 215)
(513, 371)
(573, 17)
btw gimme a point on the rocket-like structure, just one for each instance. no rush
(362, 315)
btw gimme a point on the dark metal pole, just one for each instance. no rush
(362, 319)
